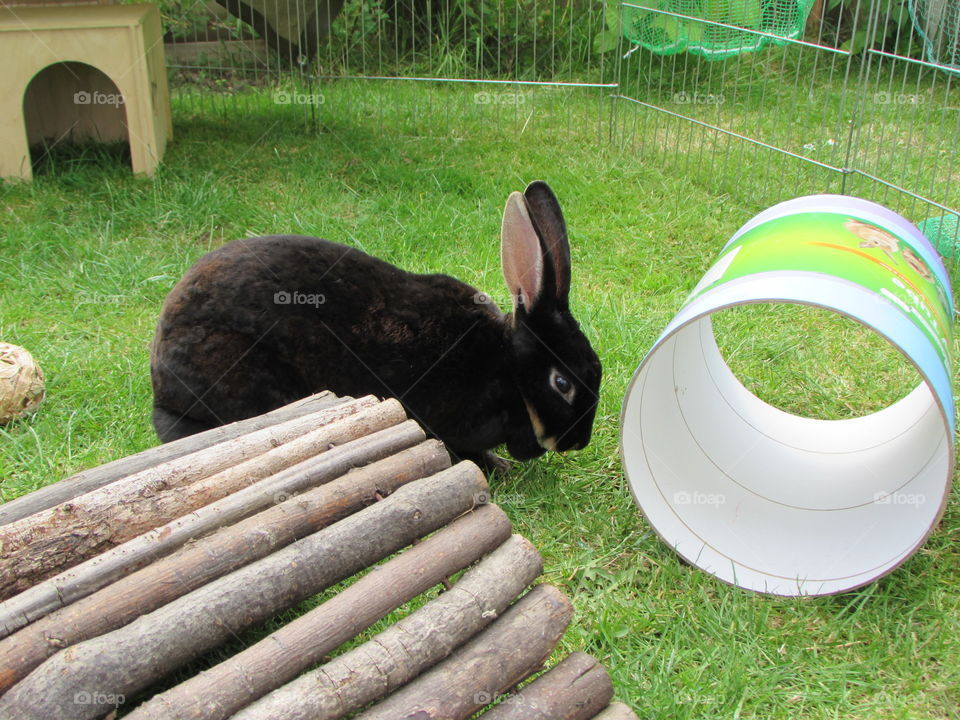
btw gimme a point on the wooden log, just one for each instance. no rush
(90, 576)
(45, 543)
(87, 480)
(249, 675)
(174, 503)
(508, 651)
(577, 688)
(213, 556)
(812, 27)
(404, 650)
(617, 711)
(127, 660)
(217, 52)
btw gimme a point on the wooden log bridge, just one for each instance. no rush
(115, 579)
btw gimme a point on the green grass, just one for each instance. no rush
(418, 176)
(830, 380)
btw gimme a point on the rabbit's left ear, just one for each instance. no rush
(544, 210)
(521, 254)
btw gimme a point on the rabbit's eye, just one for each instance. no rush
(562, 385)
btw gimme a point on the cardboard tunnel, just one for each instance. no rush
(776, 502)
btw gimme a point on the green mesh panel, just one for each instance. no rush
(938, 23)
(667, 35)
(943, 233)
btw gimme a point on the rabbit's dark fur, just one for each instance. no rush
(227, 347)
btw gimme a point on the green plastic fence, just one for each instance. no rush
(938, 23)
(701, 27)
(943, 232)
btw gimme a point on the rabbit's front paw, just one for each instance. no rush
(487, 461)
(491, 463)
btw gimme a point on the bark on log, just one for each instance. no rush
(87, 480)
(47, 542)
(404, 650)
(103, 569)
(575, 689)
(617, 711)
(127, 660)
(204, 560)
(249, 675)
(510, 650)
(174, 503)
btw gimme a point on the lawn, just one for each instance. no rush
(418, 175)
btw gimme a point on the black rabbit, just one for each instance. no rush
(259, 323)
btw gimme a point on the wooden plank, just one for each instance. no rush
(213, 556)
(508, 651)
(84, 482)
(577, 688)
(406, 649)
(90, 576)
(206, 52)
(127, 660)
(219, 692)
(46, 543)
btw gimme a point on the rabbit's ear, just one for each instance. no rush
(521, 254)
(548, 220)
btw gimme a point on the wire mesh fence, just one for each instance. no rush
(759, 99)
(498, 60)
(848, 104)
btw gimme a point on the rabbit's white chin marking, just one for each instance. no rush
(547, 443)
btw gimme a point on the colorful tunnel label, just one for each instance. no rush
(887, 261)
